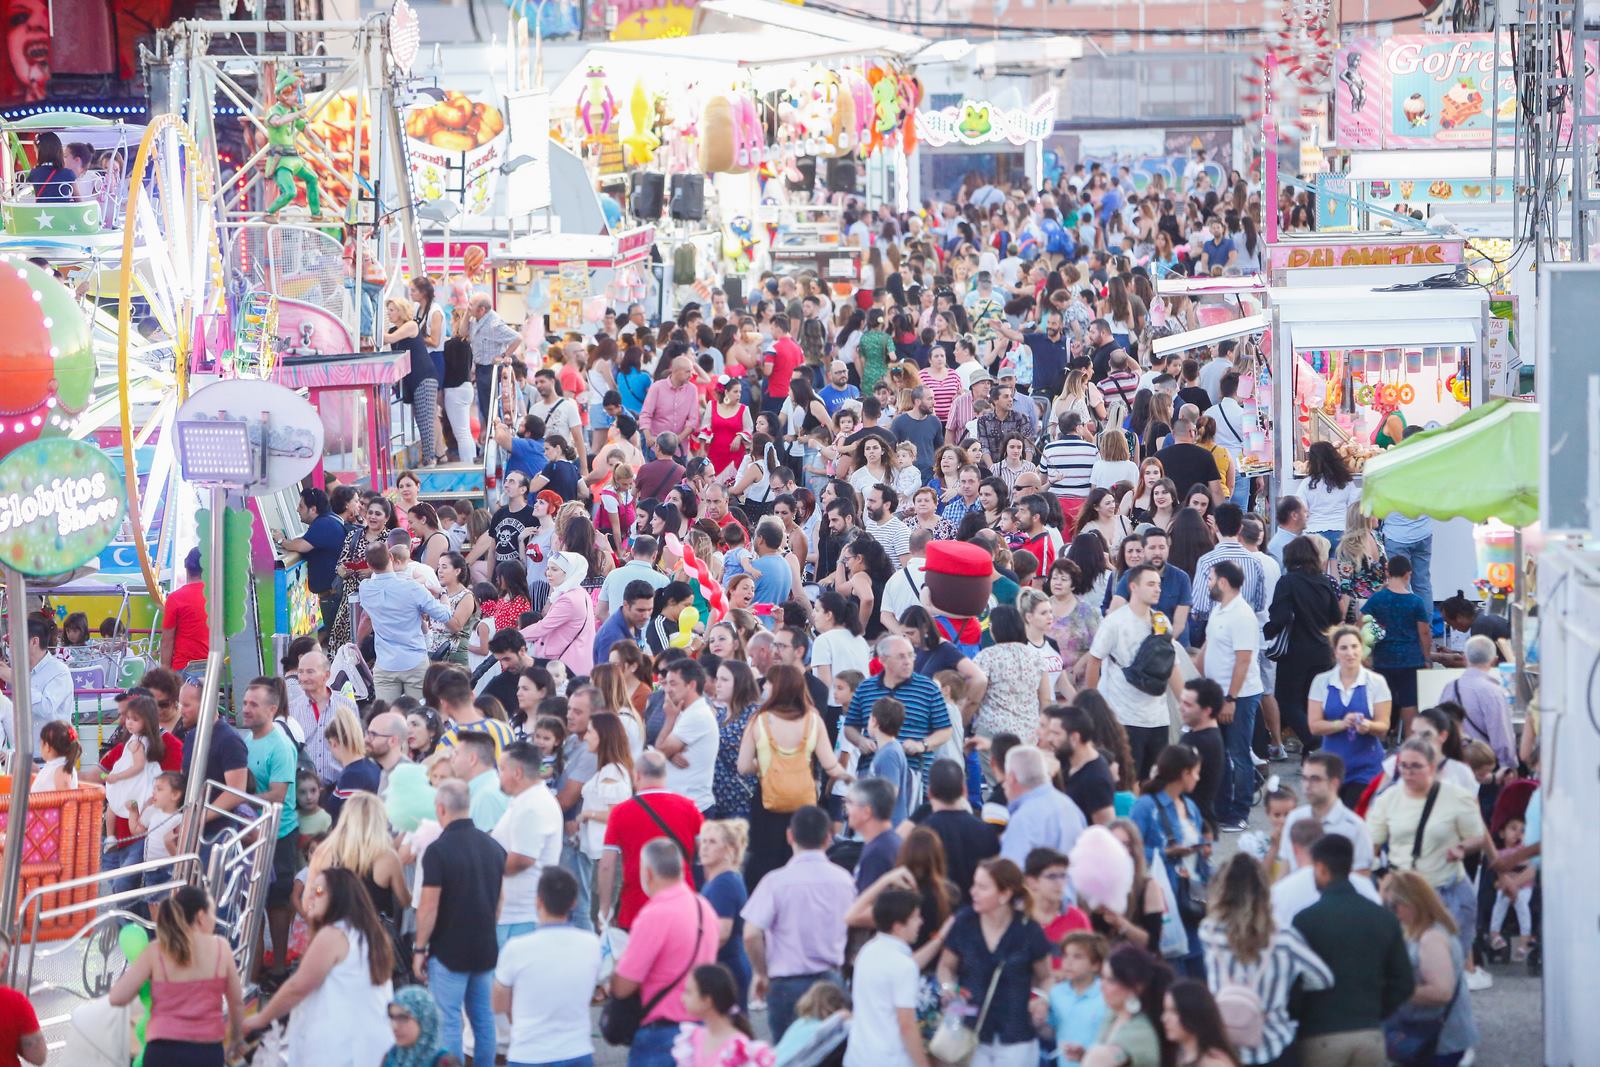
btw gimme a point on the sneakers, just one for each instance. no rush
(1479, 980)
(1233, 827)
(1277, 752)
(1255, 760)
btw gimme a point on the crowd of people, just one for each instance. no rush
(675, 725)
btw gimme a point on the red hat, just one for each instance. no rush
(958, 558)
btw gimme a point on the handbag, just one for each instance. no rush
(1191, 892)
(1174, 938)
(621, 1017)
(954, 1042)
(1277, 646)
(1415, 1042)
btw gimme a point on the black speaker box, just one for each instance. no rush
(648, 192)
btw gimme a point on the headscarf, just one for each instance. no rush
(574, 566)
(418, 1003)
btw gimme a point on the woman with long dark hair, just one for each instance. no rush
(1134, 985)
(935, 653)
(1111, 739)
(1090, 553)
(1303, 602)
(868, 568)
(1175, 833)
(1018, 684)
(1328, 491)
(196, 1000)
(338, 997)
(920, 867)
(1190, 539)
(378, 520)
(1191, 1022)
(734, 695)
(786, 722)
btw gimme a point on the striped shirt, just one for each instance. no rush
(1288, 959)
(943, 390)
(926, 711)
(1068, 463)
(1255, 580)
(499, 731)
(894, 535)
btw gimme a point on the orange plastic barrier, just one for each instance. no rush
(61, 842)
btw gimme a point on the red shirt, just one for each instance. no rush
(185, 614)
(17, 1021)
(1071, 918)
(171, 760)
(784, 358)
(629, 828)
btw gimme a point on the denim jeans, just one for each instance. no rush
(117, 858)
(581, 1061)
(1420, 553)
(483, 380)
(454, 990)
(652, 1046)
(506, 931)
(370, 292)
(1233, 801)
(784, 993)
(582, 868)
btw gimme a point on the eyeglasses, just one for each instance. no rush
(1410, 765)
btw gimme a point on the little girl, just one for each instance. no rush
(844, 691)
(724, 1039)
(58, 744)
(1515, 889)
(549, 733)
(131, 779)
(822, 1003)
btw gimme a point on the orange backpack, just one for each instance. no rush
(785, 773)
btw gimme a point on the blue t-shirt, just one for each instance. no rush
(273, 759)
(890, 764)
(1398, 614)
(326, 536)
(563, 475)
(773, 577)
(834, 399)
(1175, 590)
(527, 456)
(726, 895)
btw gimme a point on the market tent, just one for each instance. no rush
(1483, 465)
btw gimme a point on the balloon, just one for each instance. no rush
(133, 940)
(688, 620)
(49, 362)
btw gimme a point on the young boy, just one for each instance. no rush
(1044, 872)
(1076, 1009)
(314, 822)
(735, 552)
(844, 690)
(160, 817)
(885, 719)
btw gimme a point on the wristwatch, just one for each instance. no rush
(420, 950)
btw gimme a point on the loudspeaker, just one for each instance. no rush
(648, 189)
(733, 286)
(688, 201)
(841, 175)
(807, 166)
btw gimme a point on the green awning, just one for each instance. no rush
(58, 120)
(1484, 465)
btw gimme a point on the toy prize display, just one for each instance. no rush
(1348, 395)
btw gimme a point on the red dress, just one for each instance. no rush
(725, 449)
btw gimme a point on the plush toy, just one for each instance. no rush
(1101, 871)
(910, 92)
(642, 143)
(864, 109)
(717, 136)
(958, 578)
(885, 105)
(750, 142)
(597, 107)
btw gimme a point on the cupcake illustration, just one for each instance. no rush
(1416, 110)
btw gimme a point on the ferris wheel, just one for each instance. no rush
(170, 285)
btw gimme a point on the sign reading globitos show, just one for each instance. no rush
(61, 502)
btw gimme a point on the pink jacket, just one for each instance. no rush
(566, 632)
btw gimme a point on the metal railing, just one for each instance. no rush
(234, 865)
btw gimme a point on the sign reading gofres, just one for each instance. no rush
(61, 502)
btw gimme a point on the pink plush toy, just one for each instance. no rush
(1101, 871)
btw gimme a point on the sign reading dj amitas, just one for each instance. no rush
(61, 503)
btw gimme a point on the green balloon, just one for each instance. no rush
(133, 939)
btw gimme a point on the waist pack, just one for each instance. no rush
(1152, 663)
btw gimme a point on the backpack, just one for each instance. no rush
(1243, 1014)
(786, 781)
(1152, 663)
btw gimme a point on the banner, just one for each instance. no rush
(1428, 91)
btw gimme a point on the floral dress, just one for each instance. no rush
(737, 1051)
(1011, 703)
(732, 789)
(874, 349)
(1074, 632)
(354, 558)
(1358, 581)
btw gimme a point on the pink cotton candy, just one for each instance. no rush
(1101, 871)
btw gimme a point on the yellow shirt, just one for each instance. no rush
(1455, 818)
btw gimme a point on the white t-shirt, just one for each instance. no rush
(1232, 629)
(532, 827)
(156, 824)
(903, 589)
(696, 727)
(841, 650)
(1297, 891)
(551, 974)
(886, 980)
(560, 418)
(1115, 644)
(1108, 472)
(1326, 507)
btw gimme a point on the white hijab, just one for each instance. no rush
(574, 566)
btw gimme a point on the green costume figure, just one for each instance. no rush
(285, 120)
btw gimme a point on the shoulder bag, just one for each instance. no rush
(1190, 892)
(621, 1017)
(953, 1042)
(1414, 1042)
(688, 853)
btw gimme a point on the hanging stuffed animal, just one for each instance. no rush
(910, 94)
(596, 106)
(862, 105)
(744, 242)
(640, 145)
(752, 142)
(885, 105)
(717, 136)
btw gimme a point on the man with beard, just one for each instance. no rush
(1068, 731)
(1049, 350)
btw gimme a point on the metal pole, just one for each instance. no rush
(21, 754)
(394, 157)
(194, 798)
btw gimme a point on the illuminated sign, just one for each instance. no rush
(60, 503)
(975, 122)
(1378, 254)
